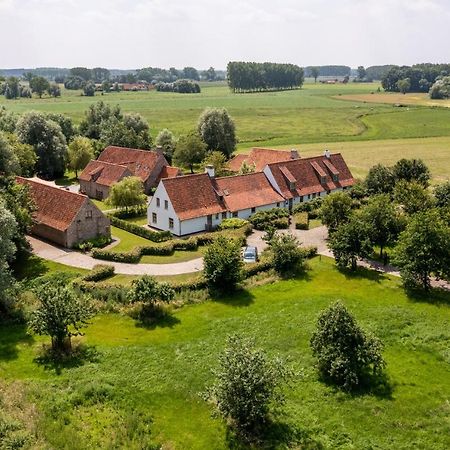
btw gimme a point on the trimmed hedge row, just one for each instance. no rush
(275, 217)
(189, 244)
(138, 230)
(99, 272)
(301, 220)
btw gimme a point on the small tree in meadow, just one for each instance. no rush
(79, 153)
(247, 384)
(223, 264)
(346, 355)
(287, 257)
(127, 193)
(61, 314)
(151, 294)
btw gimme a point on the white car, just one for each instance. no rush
(250, 255)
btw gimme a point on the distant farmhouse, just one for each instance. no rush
(63, 217)
(194, 203)
(116, 163)
(258, 158)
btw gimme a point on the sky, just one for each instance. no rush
(129, 34)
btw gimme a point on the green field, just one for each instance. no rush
(142, 383)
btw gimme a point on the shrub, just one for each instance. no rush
(275, 217)
(345, 354)
(287, 257)
(301, 220)
(134, 211)
(232, 223)
(99, 272)
(89, 244)
(138, 230)
(223, 264)
(247, 384)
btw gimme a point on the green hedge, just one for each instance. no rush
(301, 220)
(99, 272)
(138, 230)
(275, 217)
(232, 223)
(136, 211)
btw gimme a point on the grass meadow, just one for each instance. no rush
(139, 386)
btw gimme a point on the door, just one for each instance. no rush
(209, 223)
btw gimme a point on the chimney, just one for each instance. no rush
(327, 154)
(159, 149)
(209, 169)
(294, 154)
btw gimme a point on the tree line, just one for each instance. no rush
(327, 71)
(257, 77)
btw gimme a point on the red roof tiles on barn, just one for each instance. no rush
(104, 173)
(260, 157)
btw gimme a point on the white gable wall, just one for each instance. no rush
(162, 214)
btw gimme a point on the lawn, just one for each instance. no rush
(144, 383)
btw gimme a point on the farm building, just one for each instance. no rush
(116, 163)
(63, 217)
(258, 158)
(200, 202)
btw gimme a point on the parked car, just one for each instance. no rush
(250, 255)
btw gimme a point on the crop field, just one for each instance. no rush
(140, 385)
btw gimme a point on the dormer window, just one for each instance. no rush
(335, 177)
(292, 185)
(323, 179)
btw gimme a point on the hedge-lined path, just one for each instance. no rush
(73, 258)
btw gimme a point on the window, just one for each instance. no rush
(166, 204)
(309, 196)
(158, 202)
(235, 214)
(217, 216)
(253, 210)
(278, 204)
(323, 180)
(224, 215)
(292, 185)
(335, 177)
(89, 214)
(314, 195)
(154, 218)
(301, 199)
(171, 223)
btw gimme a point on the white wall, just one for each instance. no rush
(162, 214)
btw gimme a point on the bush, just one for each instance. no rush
(89, 244)
(232, 223)
(134, 211)
(301, 220)
(287, 257)
(345, 354)
(223, 264)
(247, 384)
(275, 217)
(155, 236)
(99, 272)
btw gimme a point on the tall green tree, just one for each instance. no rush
(80, 152)
(189, 150)
(91, 125)
(335, 210)
(442, 194)
(25, 155)
(411, 170)
(287, 257)
(380, 180)
(127, 193)
(218, 161)
(315, 73)
(11, 89)
(412, 197)
(9, 162)
(217, 130)
(39, 85)
(361, 73)
(48, 142)
(423, 250)
(404, 85)
(167, 141)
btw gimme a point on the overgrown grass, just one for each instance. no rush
(156, 373)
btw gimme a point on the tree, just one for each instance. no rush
(151, 294)
(39, 85)
(361, 73)
(315, 71)
(382, 220)
(8, 120)
(74, 83)
(440, 89)
(91, 125)
(25, 155)
(61, 314)
(412, 196)
(423, 250)
(442, 194)
(11, 89)
(79, 154)
(127, 193)
(217, 130)
(210, 74)
(100, 74)
(247, 168)
(7, 252)
(82, 72)
(346, 355)
(247, 383)
(404, 85)
(9, 162)
(380, 180)
(350, 241)
(191, 73)
(411, 170)
(223, 264)
(189, 150)
(48, 142)
(89, 89)
(287, 257)
(218, 161)
(166, 140)
(54, 90)
(335, 210)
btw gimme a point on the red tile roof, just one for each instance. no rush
(104, 173)
(169, 172)
(307, 173)
(259, 157)
(247, 191)
(193, 196)
(141, 163)
(55, 207)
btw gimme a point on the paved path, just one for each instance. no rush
(76, 259)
